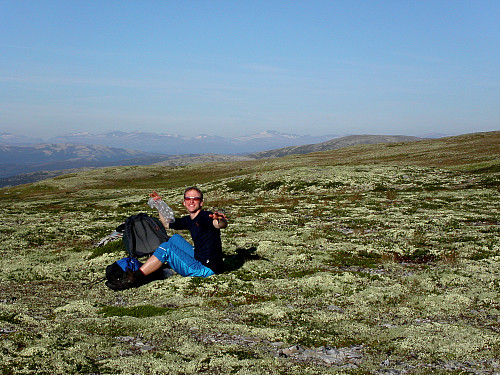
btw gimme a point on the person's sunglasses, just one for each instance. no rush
(192, 198)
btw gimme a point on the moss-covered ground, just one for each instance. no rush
(393, 267)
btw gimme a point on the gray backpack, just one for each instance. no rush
(142, 234)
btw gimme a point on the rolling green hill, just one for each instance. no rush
(363, 260)
(469, 152)
(334, 144)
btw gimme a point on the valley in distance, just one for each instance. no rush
(22, 160)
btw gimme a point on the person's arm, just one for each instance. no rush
(219, 220)
(157, 197)
(165, 223)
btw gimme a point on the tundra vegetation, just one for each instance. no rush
(366, 260)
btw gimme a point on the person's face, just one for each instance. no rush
(192, 201)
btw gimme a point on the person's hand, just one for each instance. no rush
(218, 215)
(220, 220)
(155, 196)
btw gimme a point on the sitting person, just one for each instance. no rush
(202, 260)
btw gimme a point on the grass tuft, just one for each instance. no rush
(113, 247)
(144, 311)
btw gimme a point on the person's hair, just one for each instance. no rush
(195, 189)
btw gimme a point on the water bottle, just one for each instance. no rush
(165, 211)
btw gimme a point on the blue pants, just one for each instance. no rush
(180, 256)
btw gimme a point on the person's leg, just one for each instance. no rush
(180, 256)
(152, 264)
(161, 255)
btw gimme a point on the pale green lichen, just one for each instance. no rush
(401, 260)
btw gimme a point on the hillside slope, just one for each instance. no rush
(472, 151)
(364, 260)
(474, 148)
(199, 159)
(334, 144)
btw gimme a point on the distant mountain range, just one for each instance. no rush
(29, 163)
(16, 160)
(168, 144)
(21, 154)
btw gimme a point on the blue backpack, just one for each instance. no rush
(129, 264)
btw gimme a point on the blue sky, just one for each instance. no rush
(234, 68)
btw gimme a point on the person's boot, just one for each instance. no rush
(136, 278)
(130, 279)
